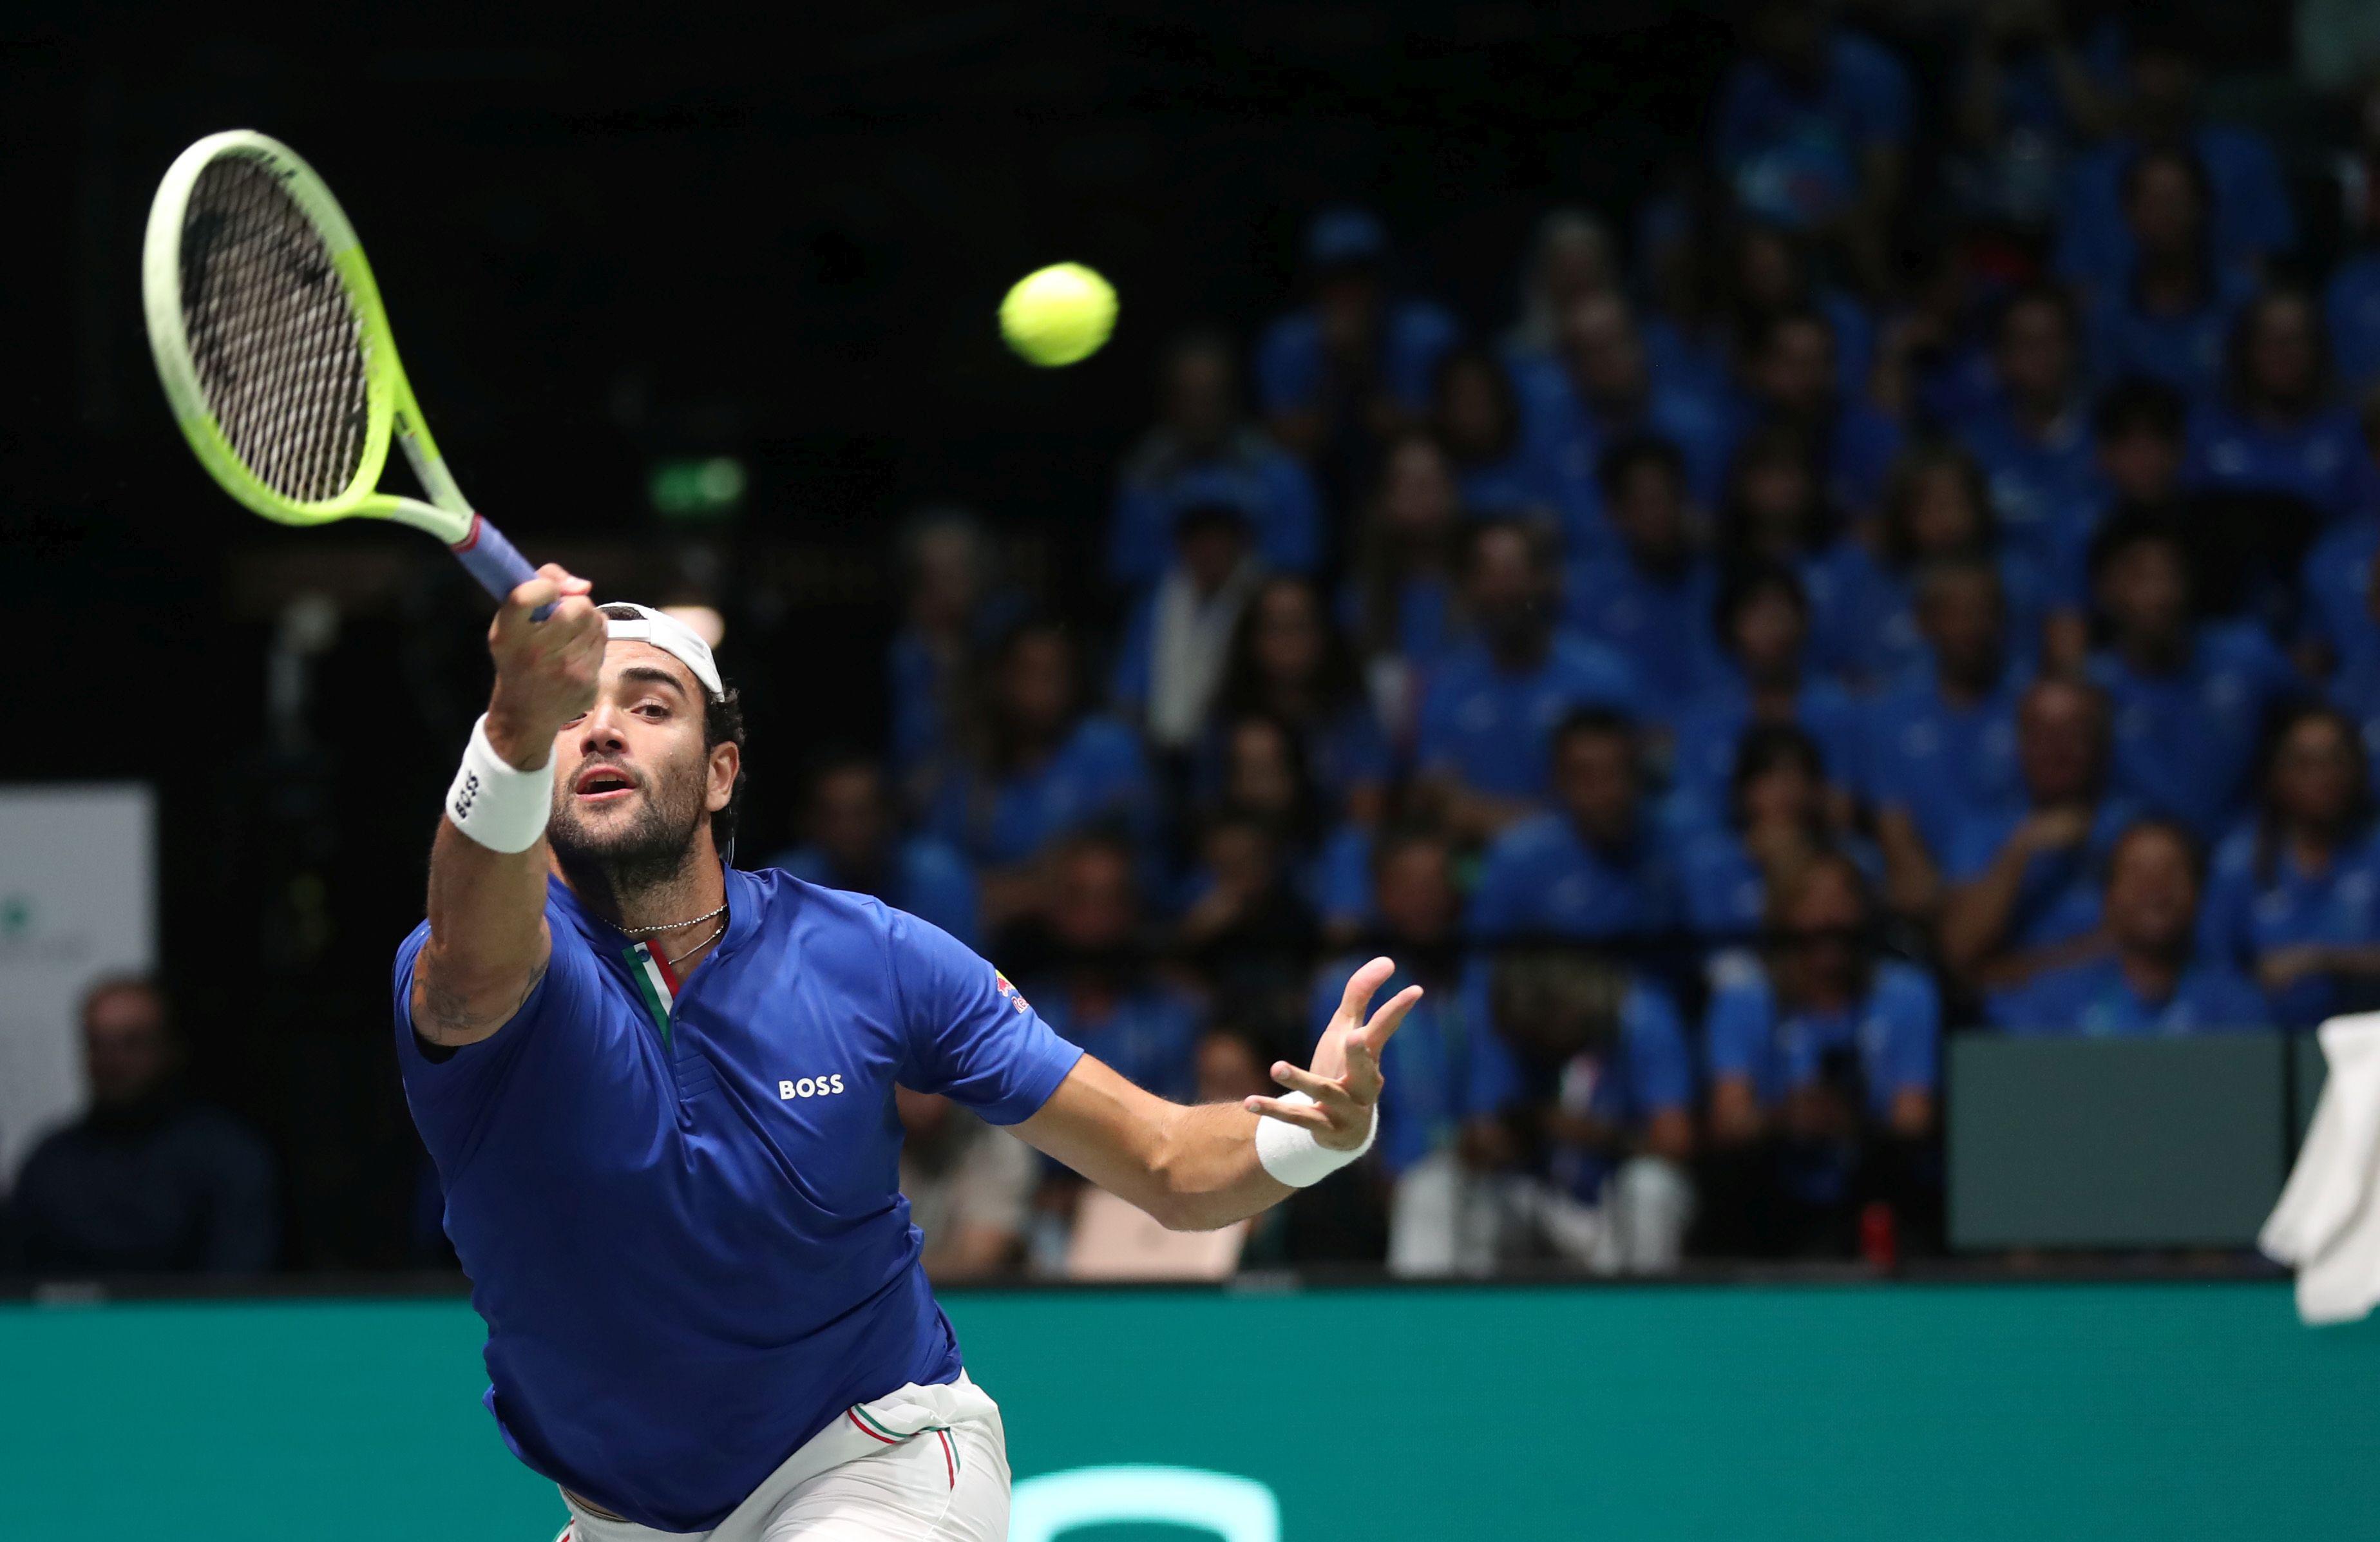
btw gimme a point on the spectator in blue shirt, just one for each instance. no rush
(2031, 93)
(1599, 390)
(2191, 697)
(2153, 979)
(2024, 873)
(2247, 205)
(1477, 416)
(952, 618)
(1170, 663)
(2277, 428)
(1941, 747)
(1776, 510)
(1247, 928)
(849, 841)
(2032, 435)
(1651, 598)
(1098, 981)
(1790, 379)
(2169, 315)
(1593, 867)
(1777, 823)
(1400, 605)
(1935, 510)
(1570, 257)
(2335, 588)
(1288, 661)
(1338, 376)
(1041, 768)
(1812, 129)
(2294, 895)
(1770, 272)
(2137, 437)
(1492, 703)
(1261, 770)
(1824, 1064)
(1764, 622)
(1204, 451)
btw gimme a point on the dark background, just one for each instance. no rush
(784, 242)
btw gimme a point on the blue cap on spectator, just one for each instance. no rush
(1345, 238)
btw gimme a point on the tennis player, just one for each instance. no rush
(659, 1092)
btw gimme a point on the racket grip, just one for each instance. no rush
(492, 559)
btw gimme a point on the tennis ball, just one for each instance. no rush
(1058, 315)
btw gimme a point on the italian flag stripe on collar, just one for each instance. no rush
(654, 982)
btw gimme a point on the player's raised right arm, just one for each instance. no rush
(488, 940)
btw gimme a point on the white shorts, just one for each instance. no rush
(921, 1465)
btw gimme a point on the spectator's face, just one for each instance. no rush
(1198, 397)
(849, 819)
(126, 1051)
(1573, 265)
(1595, 778)
(2152, 899)
(2142, 465)
(1783, 795)
(1092, 908)
(1230, 1071)
(923, 1115)
(1418, 498)
(1824, 924)
(2316, 773)
(1508, 590)
(1240, 856)
(1650, 510)
(2060, 743)
(1288, 637)
(1943, 516)
(1348, 304)
(2036, 351)
(1605, 354)
(1961, 616)
(1209, 553)
(1259, 774)
(1795, 375)
(1474, 410)
(2146, 591)
(1769, 630)
(2281, 354)
(947, 577)
(1414, 893)
(1777, 492)
(2165, 211)
(1037, 689)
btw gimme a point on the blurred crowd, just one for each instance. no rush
(1914, 571)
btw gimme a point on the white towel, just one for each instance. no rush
(2327, 1223)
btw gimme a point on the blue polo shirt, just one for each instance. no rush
(2248, 914)
(1711, 729)
(924, 877)
(2351, 306)
(1290, 362)
(1541, 876)
(2034, 482)
(1876, 624)
(1488, 725)
(2321, 460)
(1893, 1036)
(2058, 898)
(1661, 622)
(688, 1265)
(1727, 894)
(2336, 583)
(1566, 440)
(1939, 761)
(2184, 351)
(1648, 1070)
(2185, 741)
(2095, 1001)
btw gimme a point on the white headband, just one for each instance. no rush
(670, 634)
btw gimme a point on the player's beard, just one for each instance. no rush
(646, 851)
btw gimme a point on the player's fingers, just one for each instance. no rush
(1384, 1023)
(1363, 1078)
(525, 600)
(1322, 1089)
(1288, 1114)
(564, 581)
(1360, 987)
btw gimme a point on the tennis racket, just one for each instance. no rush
(276, 355)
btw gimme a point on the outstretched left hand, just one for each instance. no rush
(1345, 1079)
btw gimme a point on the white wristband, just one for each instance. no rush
(494, 802)
(1291, 1153)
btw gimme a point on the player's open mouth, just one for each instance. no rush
(602, 784)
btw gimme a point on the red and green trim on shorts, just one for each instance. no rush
(952, 1465)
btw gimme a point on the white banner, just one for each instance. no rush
(78, 900)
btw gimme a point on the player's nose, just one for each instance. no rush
(602, 729)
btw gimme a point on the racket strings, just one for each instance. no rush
(278, 344)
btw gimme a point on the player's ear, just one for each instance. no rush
(727, 760)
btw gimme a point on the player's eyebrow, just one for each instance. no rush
(654, 672)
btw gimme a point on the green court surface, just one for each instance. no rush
(1938, 1411)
